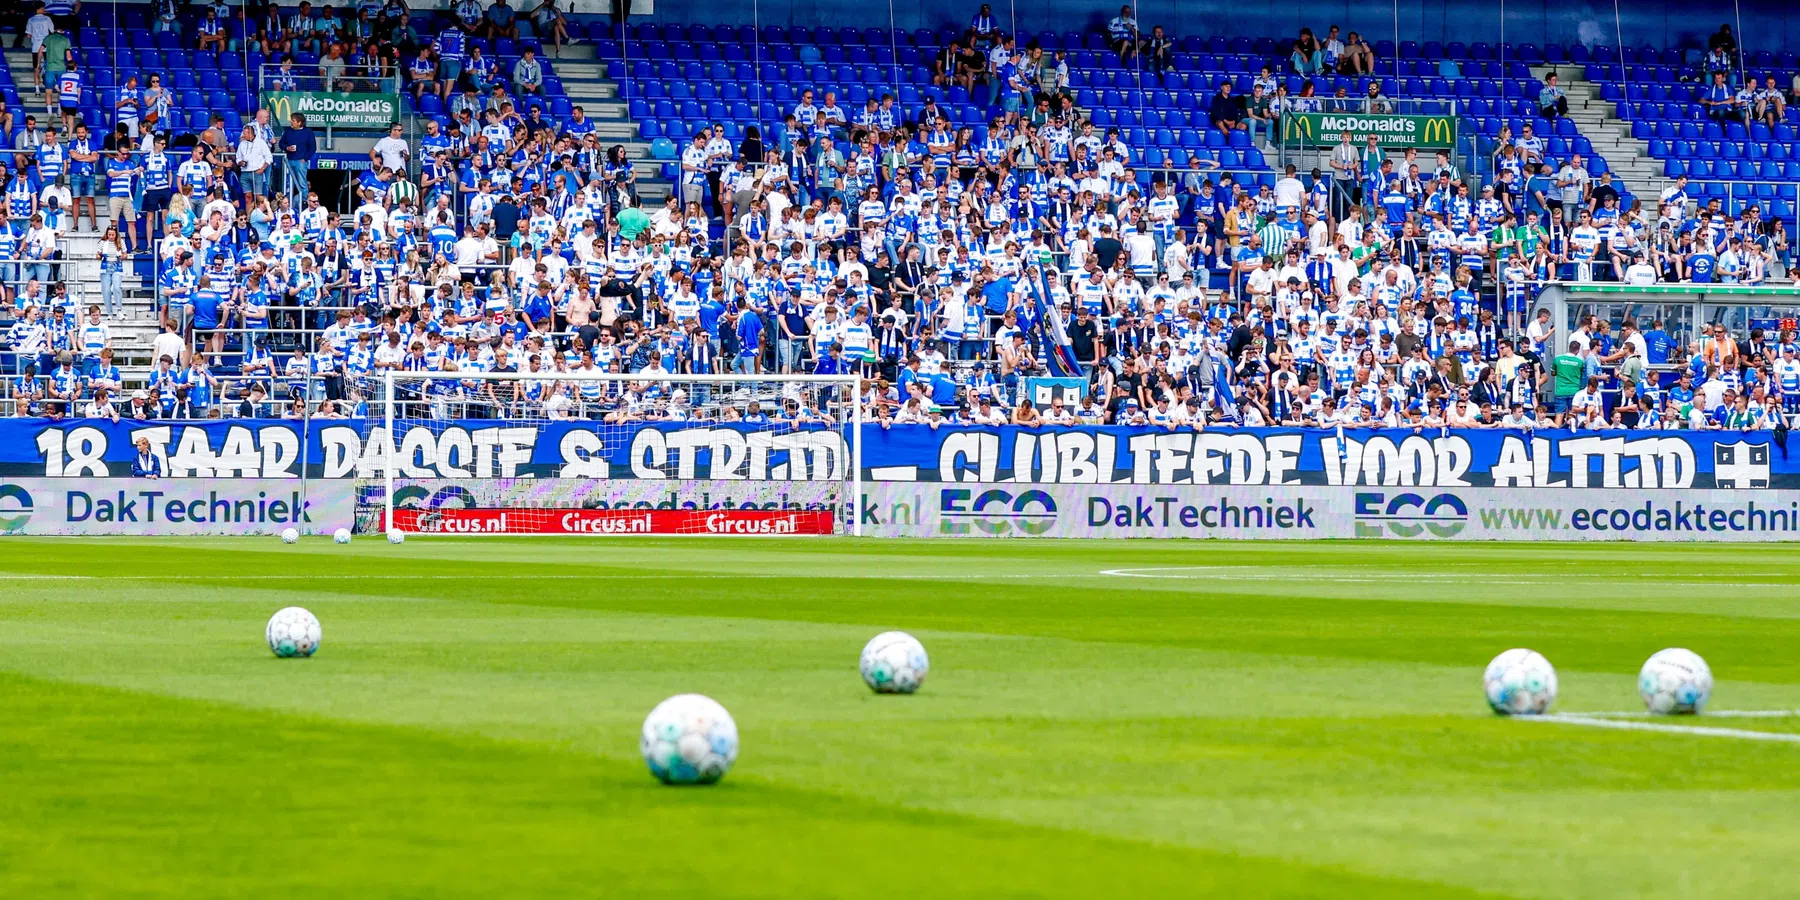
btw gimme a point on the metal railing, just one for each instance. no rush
(343, 78)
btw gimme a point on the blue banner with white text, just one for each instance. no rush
(260, 448)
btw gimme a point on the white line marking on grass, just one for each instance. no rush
(439, 576)
(1709, 714)
(1695, 730)
(1279, 573)
(1153, 572)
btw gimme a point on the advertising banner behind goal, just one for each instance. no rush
(607, 522)
(541, 505)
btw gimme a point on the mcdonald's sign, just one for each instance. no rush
(362, 112)
(1314, 129)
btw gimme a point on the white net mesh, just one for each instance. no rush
(507, 453)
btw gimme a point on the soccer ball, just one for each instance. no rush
(396, 536)
(1520, 683)
(1675, 681)
(894, 662)
(290, 536)
(341, 536)
(293, 632)
(689, 739)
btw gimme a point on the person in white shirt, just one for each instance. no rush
(392, 152)
(1539, 331)
(1289, 191)
(37, 28)
(1711, 392)
(253, 160)
(1517, 418)
(694, 166)
(100, 407)
(986, 414)
(1140, 247)
(1587, 404)
(476, 248)
(1461, 414)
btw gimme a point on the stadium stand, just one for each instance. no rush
(956, 209)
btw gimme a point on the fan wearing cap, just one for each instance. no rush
(1130, 414)
(140, 407)
(1489, 208)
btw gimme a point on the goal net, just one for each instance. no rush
(596, 453)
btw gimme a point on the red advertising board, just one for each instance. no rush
(615, 521)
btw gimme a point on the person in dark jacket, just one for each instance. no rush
(1226, 112)
(145, 464)
(300, 147)
(254, 406)
(1084, 337)
(1107, 248)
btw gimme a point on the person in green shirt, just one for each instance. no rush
(1530, 235)
(1363, 255)
(1504, 240)
(1570, 372)
(55, 61)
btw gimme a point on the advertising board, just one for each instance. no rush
(193, 506)
(1302, 511)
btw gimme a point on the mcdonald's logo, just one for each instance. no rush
(357, 111)
(1440, 131)
(280, 105)
(1301, 128)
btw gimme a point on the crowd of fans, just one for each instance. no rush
(943, 262)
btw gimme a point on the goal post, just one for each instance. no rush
(604, 453)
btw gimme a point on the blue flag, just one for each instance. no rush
(1224, 398)
(1059, 351)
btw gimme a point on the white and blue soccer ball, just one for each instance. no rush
(341, 536)
(894, 662)
(290, 535)
(396, 536)
(689, 739)
(293, 632)
(1675, 682)
(1519, 682)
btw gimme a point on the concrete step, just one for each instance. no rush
(1598, 121)
(587, 70)
(602, 110)
(569, 52)
(590, 88)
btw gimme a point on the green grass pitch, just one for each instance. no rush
(1252, 720)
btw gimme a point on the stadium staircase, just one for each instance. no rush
(133, 331)
(589, 87)
(1596, 119)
